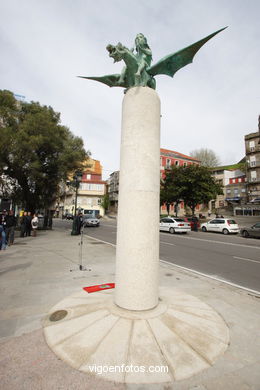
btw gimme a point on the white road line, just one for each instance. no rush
(168, 243)
(242, 258)
(218, 242)
(193, 271)
(211, 277)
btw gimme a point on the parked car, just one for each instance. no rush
(69, 216)
(89, 220)
(220, 225)
(193, 221)
(253, 231)
(256, 200)
(174, 225)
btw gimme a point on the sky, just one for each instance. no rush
(211, 103)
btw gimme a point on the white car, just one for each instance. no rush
(220, 225)
(174, 225)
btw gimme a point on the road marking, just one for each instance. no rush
(218, 242)
(168, 243)
(211, 277)
(193, 271)
(242, 258)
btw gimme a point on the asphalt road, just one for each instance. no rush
(231, 258)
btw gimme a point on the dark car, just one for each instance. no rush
(193, 222)
(253, 231)
(69, 216)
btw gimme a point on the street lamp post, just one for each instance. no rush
(76, 182)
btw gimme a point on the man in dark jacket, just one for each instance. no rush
(28, 224)
(10, 226)
(23, 223)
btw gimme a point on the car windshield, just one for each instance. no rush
(179, 220)
(232, 222)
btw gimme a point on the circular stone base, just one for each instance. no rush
(174, 341)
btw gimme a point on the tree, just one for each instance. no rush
(105, 202)
(207, 157)
(36, 151)
(170, 193)
(193, 184)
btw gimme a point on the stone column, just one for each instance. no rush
(137, 253)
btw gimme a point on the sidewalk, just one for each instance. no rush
(36, 274)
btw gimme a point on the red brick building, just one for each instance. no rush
(169, 158)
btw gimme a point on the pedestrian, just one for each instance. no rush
(28, 224)
(2, 238)
(35, 223)
(195, 225)
(10, 226)
(79, 222)
(3, 218)
(23, 223)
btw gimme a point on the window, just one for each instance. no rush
(91, 187)
(177, 163)
(228, 191)
(252, 145)
(253, 176)
(168, 163)
(252, 161)
(236, 191)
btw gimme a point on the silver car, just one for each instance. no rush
(174, 225)
(90, 221)
(253, 231)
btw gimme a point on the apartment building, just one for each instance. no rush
(113, 189)
(252, 148)
(90, 192)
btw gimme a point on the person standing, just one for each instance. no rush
(23, 223)
(2, 229)
(28, 224)
(10, 226)
(2, 238)
(35, 223)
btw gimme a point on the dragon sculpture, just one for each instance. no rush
(138, 70)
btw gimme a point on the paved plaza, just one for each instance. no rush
(37, 273)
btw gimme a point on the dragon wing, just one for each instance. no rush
(171, 63)
(111, 80)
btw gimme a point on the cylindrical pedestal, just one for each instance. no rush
(137, 253)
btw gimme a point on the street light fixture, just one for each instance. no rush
(76, 183)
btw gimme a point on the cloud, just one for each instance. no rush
(211, 103)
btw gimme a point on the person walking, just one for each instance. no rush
(35, 223)
(10, 226)
(2, 238)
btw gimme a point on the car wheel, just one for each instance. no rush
(203, 229)
(245, 233)
(225, 231)
(171, 230)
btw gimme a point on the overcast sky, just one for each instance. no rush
(212, 103)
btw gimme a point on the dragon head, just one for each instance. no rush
(116, 52)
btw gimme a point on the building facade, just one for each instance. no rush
(252, 148)
(90, 192)
(113, 189)
(233, 182)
